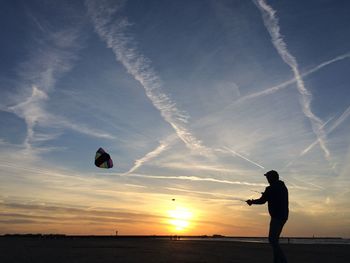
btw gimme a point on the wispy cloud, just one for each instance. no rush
(336, 123)
(31, 111)
(271, 24)
(194, 178)
(196, 167)
(345, 115)
(15, 213)
(149, 156)
(51, 57)
(164, 145)
(209, 195)
(241, 156)
(136, 185)
(285, 84)
(114, 32)
(271, 90)
(82, 128)
(209, 179)
(340, 120)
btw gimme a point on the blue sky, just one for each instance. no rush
(194, 100)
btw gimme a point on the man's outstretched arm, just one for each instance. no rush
(260, 201)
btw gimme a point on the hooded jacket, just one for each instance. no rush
(277, 197)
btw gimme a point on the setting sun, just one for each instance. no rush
(180, 218)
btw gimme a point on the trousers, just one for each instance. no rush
(276, 226)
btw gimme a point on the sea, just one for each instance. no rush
(283, 240)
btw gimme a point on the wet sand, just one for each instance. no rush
(97, 249)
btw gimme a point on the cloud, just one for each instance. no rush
(35, 213)
(31, 111)
(149, 156)
(340, 120)
(240, 156)
(206, 179)
(195, 167)
(52, 56)
(114, 32)
(269, 91)
(271, 24)
(80, 128)
(194, 178)
(136, 185)
(285, 84)
(208, 195)
(15, 215)
(336, 123)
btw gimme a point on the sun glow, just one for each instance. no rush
(180, 218)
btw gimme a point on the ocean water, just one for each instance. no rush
(283, 240)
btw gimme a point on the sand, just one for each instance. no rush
(94, 249)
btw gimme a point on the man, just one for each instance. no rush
(277, 197)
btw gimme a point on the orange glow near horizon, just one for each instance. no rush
(180, 218)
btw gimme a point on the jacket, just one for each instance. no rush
(277, 197)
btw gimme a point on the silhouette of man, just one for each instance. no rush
(277, 197)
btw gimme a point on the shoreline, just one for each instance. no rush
(220, 238)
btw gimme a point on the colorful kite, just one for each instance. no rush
(103, 159)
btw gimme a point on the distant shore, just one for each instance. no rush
(288, 240)
(89, 249)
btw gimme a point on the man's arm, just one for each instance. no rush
(260, 201)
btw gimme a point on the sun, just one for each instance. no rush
(180, 218)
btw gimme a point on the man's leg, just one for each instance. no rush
(276, 227)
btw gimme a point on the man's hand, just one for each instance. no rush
(249, 202)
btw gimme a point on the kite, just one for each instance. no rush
(103, 159)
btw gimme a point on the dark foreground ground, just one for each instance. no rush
(79, 249)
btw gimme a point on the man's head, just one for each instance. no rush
(272, 176)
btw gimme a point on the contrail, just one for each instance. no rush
(215, 195)
(337, 122)
(243, 157)
(293, 80)
(307, 149)
(201, 179)
(326, 63)
(164, 145)
(341, 119)
(114, 32)
(196, 178)
(271, 24)
(197, 167)
(278, 87)
(149, 156)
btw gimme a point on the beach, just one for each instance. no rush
(109, 249)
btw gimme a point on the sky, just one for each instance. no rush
(193, 100)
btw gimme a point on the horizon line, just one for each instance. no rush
(163, 236)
